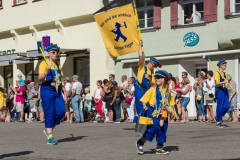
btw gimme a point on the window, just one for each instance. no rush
(8, 76)
(235, 7)
(0, 3)
(82, 69)
(145, 13)
(192, 11)
(29, 72)
(21, 1)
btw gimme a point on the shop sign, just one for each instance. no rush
(46, 42)
(7, 52)
(190, 39)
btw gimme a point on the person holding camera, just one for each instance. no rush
(198, 87)
(209, 91)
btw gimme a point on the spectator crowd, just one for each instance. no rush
(22, 103)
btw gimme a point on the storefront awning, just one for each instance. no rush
(4, 63)
(67, 52)
(8, 57)
(21, 61)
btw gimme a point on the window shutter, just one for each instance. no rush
(210, 10)
(227, 8)
(14, 2)
(174, 12)
(157, 14)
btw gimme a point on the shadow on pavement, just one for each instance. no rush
(15, 154)
(72, 138)
(128, 129)
(167, 148)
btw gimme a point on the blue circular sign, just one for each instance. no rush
(190, 39)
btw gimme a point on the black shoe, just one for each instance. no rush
(139, 148)
(161, 151)
(219, 125)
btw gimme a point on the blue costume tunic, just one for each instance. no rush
(222, 97)
(141, 85)
(52, 99)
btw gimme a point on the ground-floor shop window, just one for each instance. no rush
(29, 71)
(8, 76)
(82, 69)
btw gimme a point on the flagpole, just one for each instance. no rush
(138, 29)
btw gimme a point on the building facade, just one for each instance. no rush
(180, 44)
(70, 24)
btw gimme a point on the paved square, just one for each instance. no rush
(117, 141)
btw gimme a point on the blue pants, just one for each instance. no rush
(222, 102)
(76, 107)
(53, 103)
(200, 107)
(156, 130)
(116, 108)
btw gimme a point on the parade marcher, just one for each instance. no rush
(145, 78)
(155, 100)
(221, 93)
(51, 92)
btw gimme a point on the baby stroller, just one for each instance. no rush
(92, 112)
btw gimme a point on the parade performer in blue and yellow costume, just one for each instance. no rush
(50, 74)
(221, 93)
(145, 78)
(157, 101)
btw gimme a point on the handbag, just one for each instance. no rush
(128, 100)
(209, 97)
(199, 97)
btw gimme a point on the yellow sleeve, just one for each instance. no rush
(153, 78)
(217, 77)
(147, 96)
(42, 67)
(60, 67)
(171, 100)
(140, 72)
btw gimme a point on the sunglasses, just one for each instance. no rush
(54, 52)
(110, 77)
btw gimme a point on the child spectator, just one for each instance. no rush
(87, 103)
(20, 80)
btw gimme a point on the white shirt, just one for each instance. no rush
(212, 86)
(187, 94)
(88, 96)
(131, 89)
(98, 93)
(78, 86)
(125, 83)
(68, 86)
(197, 16)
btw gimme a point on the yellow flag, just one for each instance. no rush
(119, 30)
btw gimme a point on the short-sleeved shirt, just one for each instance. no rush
(20, 98)
(131, 89)
(78, 86)
(31, 93)
(51, 74)
(21, 82)
(218, 78)
(197, 17)
(88, 96)
(141, 71)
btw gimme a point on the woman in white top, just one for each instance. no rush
(98, 98)
(209, 91)
(185, 98)
(129, 91)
